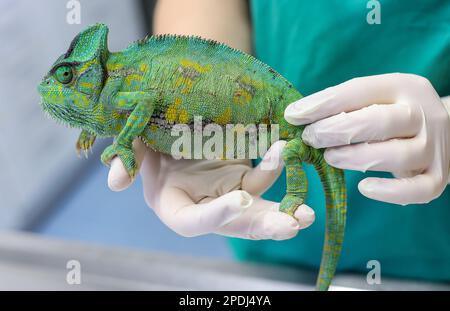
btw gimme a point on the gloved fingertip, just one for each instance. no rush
(368, 187)
(291, 114)
(118, 178)
(278, 145)
(305, 216)
(334, 157)
(383, 190)
(246, 199)
(273, 160)
(280, 226)
(234, 203)
(308, 137)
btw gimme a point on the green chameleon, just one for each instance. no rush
(157, 82)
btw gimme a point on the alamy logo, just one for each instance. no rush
(374, 275)
(73, 276)
(374, 15)
(74, 14)
(214, 141)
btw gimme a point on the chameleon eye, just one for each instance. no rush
(64, 74)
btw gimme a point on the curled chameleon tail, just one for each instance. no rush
(335, 204)
(333, 183)
(335, 196)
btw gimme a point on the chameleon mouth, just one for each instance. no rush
(57, 113)
(72, 117)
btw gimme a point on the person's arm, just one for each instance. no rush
(224, 21)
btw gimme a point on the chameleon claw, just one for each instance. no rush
(84, 143)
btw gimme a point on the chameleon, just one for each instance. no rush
(163, 80)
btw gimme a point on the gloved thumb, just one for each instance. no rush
(118, 178)
(188, 219)
(257, 180)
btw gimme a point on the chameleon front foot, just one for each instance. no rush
(125, 154)
(290, 203)
(85, 142)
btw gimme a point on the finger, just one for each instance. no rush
(390, 156)
(373, 123)
(182, 215)
(418, 189)
(151, 177)
(305, 216)
(348, 96)
(257, 180)
(118, 178)
(263, 220)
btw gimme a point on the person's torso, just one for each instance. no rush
(317, 44)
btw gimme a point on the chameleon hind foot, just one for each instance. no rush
(125, 154)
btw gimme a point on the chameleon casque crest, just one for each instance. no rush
(160, 81)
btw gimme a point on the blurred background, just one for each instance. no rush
(44, 187)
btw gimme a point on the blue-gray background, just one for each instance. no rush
(44, 187)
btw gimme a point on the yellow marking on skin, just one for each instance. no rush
(183, 117)
(59, 90)
(114, 66)
(81, 99)
(100, 119)
(196, 66)
(284, 133)
(153, 128)
(143, 67)
(188, 86)
(186, 82)
(171, 114)
(133, 117)
(151, 142)
(242, 97)
(116, 115)
(255, 83)
(87, 65)
(224, 118)
(179, 81)
(133, 77)
(118, 128)
(88, 85)
(142, 124)
(121, 103)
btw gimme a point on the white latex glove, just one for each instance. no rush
(394, 122)
(196, 197)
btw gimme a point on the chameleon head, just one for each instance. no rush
(70, 91)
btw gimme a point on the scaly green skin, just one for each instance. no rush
(165, 80)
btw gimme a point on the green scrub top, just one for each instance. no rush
(321, 43)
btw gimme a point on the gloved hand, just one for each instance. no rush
(394, 122)
(195, 197)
